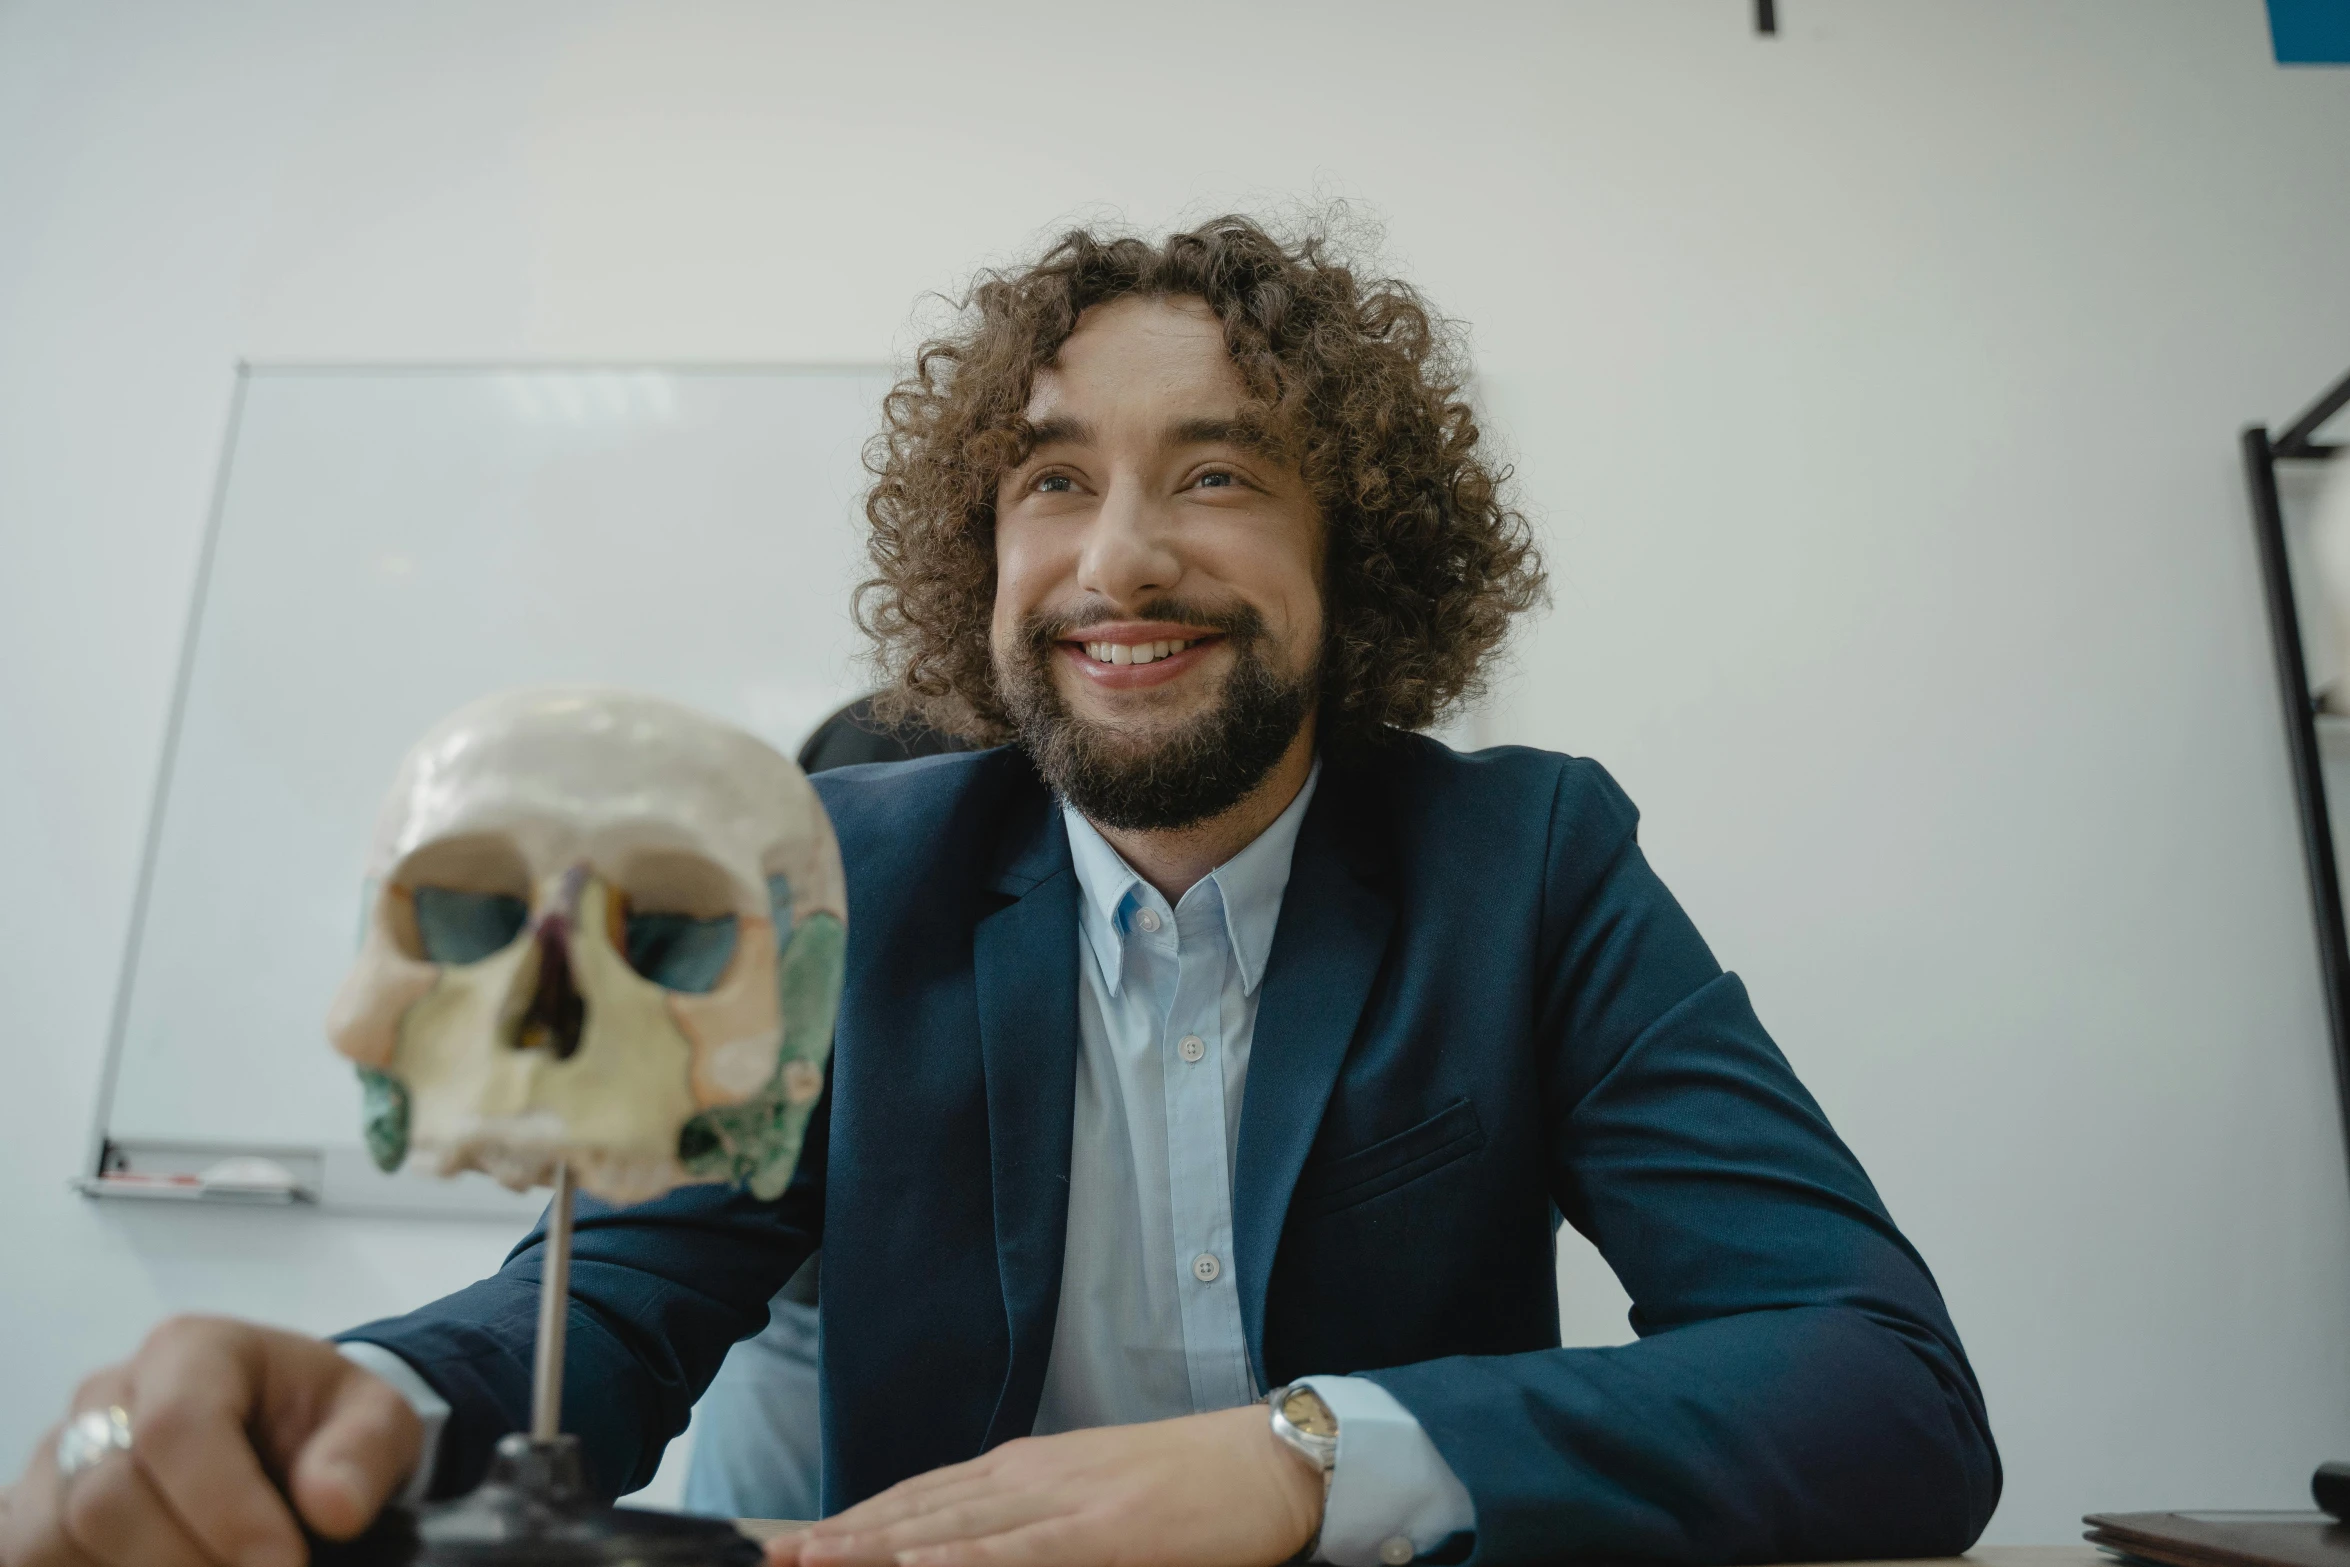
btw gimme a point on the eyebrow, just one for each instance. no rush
(1248, 434)
(1058, 431)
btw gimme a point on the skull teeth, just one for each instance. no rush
(1136, 652)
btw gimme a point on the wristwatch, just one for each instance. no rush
(1304, 1422)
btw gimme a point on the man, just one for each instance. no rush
(1215, 1036)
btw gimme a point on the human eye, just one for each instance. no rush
(1217, 479)
(1053, 484)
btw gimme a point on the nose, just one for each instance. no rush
(1129, 553)
(557, 1012)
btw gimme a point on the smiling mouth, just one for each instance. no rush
(1138, 652)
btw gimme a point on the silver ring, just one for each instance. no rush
(90, 1436)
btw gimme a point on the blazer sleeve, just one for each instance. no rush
(659, 1293)
(1797, 1391)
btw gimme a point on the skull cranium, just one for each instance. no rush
(605, 930)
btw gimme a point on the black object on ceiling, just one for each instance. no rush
(2262, 453)
(1766, 16)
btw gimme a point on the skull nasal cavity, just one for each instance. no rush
(557, 1012)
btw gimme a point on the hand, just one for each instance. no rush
(218, 1410)
(1204, 1491)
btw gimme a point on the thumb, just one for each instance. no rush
(362, 1450)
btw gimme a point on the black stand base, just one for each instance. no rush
(534, 1511)
(2331, 1487)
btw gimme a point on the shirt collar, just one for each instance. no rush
(1249, 885)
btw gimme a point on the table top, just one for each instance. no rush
(2083, 1555)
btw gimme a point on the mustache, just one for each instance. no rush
(1240, 623)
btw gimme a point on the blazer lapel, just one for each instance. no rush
(1326, 952)
(1025, 963)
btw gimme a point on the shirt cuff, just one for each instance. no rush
(1392, 1496)
(430, 1408)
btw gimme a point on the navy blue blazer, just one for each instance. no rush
(1482, 1013)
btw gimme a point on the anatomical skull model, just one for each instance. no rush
(605, 932)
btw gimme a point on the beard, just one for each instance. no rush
(1143, 779)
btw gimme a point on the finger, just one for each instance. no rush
(968, 1518)
(901, 1502)
(34, 1529)
(905, 1498)
(911, 1497)
(842, 1550)
(31, 1534)
(1064, 1540)
(784, 1549)
(188, 1407)
(112, 1513)
(361, 1452)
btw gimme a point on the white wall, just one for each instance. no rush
(1876, 388)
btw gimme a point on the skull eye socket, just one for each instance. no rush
(465, 927)
(467, 898)
(680, 952)
(680, 927)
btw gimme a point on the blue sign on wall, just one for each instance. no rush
(2310, 32)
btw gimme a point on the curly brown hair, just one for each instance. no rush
(1427, 558)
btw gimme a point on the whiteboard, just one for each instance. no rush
(386, 545)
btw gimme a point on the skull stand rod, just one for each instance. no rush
(534, 1509)
(546, 1381)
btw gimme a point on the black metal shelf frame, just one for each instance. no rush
(2262, 453)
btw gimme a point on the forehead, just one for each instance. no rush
(1136, 356)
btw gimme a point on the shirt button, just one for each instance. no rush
(1191, 1047)
(1206, 1268)
(1148, 919)
(1395, 1550)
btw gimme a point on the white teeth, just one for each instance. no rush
(1133, 652)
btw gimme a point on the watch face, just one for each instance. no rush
(1304, 1409)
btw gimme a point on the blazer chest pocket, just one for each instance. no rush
(1450, 1134)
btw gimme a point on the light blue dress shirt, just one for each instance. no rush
(1149, 1324)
